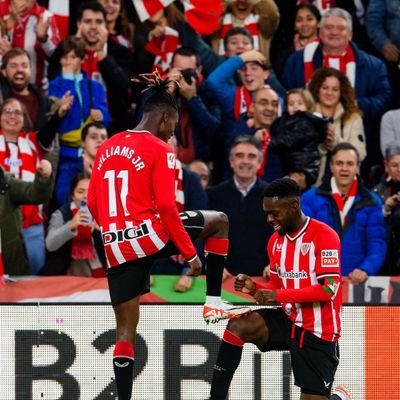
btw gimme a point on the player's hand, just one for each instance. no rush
(44, 168)
(243, 283)
(358, 276)
(265, 296)
(195, 267)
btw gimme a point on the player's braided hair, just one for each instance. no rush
(159, 96)
(283, 187)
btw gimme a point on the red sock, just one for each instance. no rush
(231, 338)
(124, 349)
(216, 246)
(123, 359)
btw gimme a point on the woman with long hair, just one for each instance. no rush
(335, 99)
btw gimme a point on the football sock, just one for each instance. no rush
(123, 360)
(216, 250)
(229, 355)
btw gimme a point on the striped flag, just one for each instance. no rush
(60, 9)
(147, 8)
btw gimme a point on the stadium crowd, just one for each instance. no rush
(268, 89)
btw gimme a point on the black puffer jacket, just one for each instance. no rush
(296, 138)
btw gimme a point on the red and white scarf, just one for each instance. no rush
(250, 23)
(163, 49)
(345, 63)
(265, 141)
(202, 15)
(179, 194)
(242, 103)
(344, 203)
(21, 159)
(90, 67)
(322, 5)
(83, 247)
(60, 10)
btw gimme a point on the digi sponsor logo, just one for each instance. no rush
(171, 160)
(330, 258)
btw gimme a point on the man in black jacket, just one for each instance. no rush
(241, 198)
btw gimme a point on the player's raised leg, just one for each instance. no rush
(215, 235)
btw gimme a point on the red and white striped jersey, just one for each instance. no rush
(132, 197)
(299, 261)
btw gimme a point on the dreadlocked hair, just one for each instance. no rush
(283, 187)
(159, 96)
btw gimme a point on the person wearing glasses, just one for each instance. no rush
(21, 150)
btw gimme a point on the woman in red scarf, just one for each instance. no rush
(20, 153)
(73, 239)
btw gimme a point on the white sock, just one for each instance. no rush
(212, 300)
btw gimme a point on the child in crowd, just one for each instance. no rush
(73, 242)
(89, 105)
(295, 136)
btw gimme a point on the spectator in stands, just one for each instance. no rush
(241, 198)
(89, 104)
(33, 28)
(198, 131)
(354, 212)
(21, 150)
(296, 135)
(306, 25)
(260, 17)
(367, 74)
(156, 37)
(203, 172)
(106, 62)
(15, 82)
(383, 27)
(335, 99)
(264, 109)
(13, 194)
(236, 41)
(388, 189)
(73, 242)
(390, 129)
(93, 136)
(254, 72)
(200, 115)
(118, 25)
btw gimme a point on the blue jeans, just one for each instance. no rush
(35, 247)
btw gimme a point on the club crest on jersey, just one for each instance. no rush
(171, 160)
(304, 248)
(330, 258)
